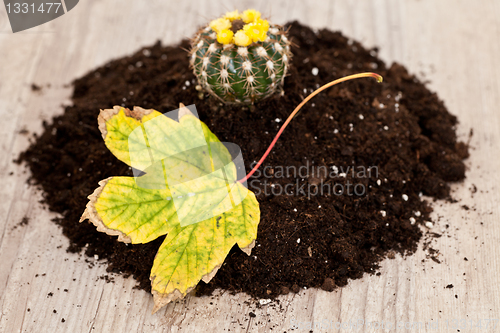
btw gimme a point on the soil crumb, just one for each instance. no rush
(35, 87)
(24, 221)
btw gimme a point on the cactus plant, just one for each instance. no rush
(240, 58)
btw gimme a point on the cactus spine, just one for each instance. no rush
(241, 66)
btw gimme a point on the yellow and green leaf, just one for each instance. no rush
(188, 191)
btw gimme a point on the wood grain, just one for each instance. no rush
(452, 43)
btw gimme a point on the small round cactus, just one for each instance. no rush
(240, 58)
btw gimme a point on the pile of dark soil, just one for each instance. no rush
(398, 128)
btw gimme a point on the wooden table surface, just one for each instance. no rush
(453, 43)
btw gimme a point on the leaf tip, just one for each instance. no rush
(92, 215)
(183, 111)
(248, 249)
(160, 300)
(138, 112)
(104, 116)
(207, 277)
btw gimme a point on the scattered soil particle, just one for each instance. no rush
(23, 131)
(449, 286)
(284, 290)
(35, 87)
(24, 221)
(405, 134)
(295, 288)
(107, 278)
(328, 284)
(436, 260)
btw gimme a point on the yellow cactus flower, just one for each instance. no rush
(225, 36)
(231, 16)
(242, 39)
(250, 15)
(220, 24)
(264, 23)
(256, 31)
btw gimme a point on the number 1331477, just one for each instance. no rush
(25, 8)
